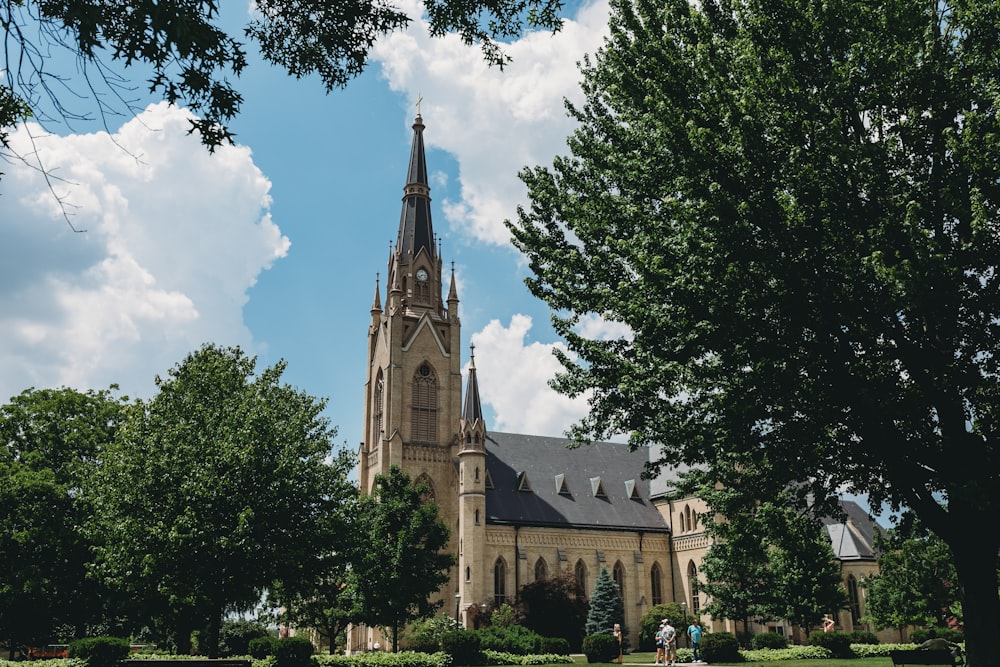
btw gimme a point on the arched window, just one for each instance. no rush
(683, 527)
(581, 576)
(618, 574)
(468, 573)
(378, 401)
(541, 570)
(656, 584)
(693, 582)
(477, 517)
(688, 526)
(425, 405)
(499, 582)
(854, 599)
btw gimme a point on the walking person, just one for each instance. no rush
(670, 643)
(660, 656)
(617, 632)
(694, 634)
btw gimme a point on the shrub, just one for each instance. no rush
(720, 647)
(600, 648)
(768, 640)
(553, 645)
(293, 652)
(99, 651)
(863, 637)
(261, 647)
(463, 646)
(235, 637)
(515, 639)
(425, 635)
(920, 636)
(838, 643)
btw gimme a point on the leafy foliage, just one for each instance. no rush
(192, 60)
(49, 443)
(650, 623)
(100, 651)
(769, 640)
(554, 607)
(601, 647)
(916, 583)
(463, 646)
(235, 636)
(838, 643)
(403, 562)
(223, 483)
(293, 652)
(793, 210)
(720, 647)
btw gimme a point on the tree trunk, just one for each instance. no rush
(214, 626)
(976, 563)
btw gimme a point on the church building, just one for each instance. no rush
(520, 507)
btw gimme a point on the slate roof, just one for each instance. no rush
(416, 231)
(853, 538)
(547, 465)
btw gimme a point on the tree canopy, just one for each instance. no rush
(49, 443)
(916, 583)
(192, 60)
(793, 210)
(402, 563)
(221, 484)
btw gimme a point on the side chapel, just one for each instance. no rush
(524, 507)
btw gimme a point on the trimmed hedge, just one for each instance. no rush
(600, 648)
(720, 647)
(768, 640)
(100, 651)
(863, 637)
(261, 647)
(463, 646)
(920, 636)
(838, 643)
(293, 652)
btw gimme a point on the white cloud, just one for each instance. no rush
(175, 238)
(494, 122)
(513, 377)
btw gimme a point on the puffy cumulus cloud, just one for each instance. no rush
(596, 327)
(174, 238)
(513, 379)
(494, 122)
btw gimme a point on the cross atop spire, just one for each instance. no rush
(416, 231)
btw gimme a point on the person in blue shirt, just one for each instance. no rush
(694, 634)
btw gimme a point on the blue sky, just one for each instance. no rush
(274, 245)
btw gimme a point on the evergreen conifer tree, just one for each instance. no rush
(606, 607)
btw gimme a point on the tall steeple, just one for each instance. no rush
(416, 231)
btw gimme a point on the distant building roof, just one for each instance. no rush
(537, 481)
(854, 537)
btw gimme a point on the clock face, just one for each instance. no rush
(421, 275)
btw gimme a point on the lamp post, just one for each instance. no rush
(684, 622)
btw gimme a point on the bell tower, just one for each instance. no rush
(413, 390)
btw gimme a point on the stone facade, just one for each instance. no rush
(519, 507)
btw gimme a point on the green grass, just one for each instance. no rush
(649, 658)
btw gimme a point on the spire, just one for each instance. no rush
(452, 291)
(416, 232)
(377, 303)
(473, 409)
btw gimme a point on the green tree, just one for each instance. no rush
(792, 209)
(555, 607)
(49, 443)
(806, 574)
(192, 60)
(218, 486)
(916, 583)
(403, 563)
(606, 607)
(736, 571)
